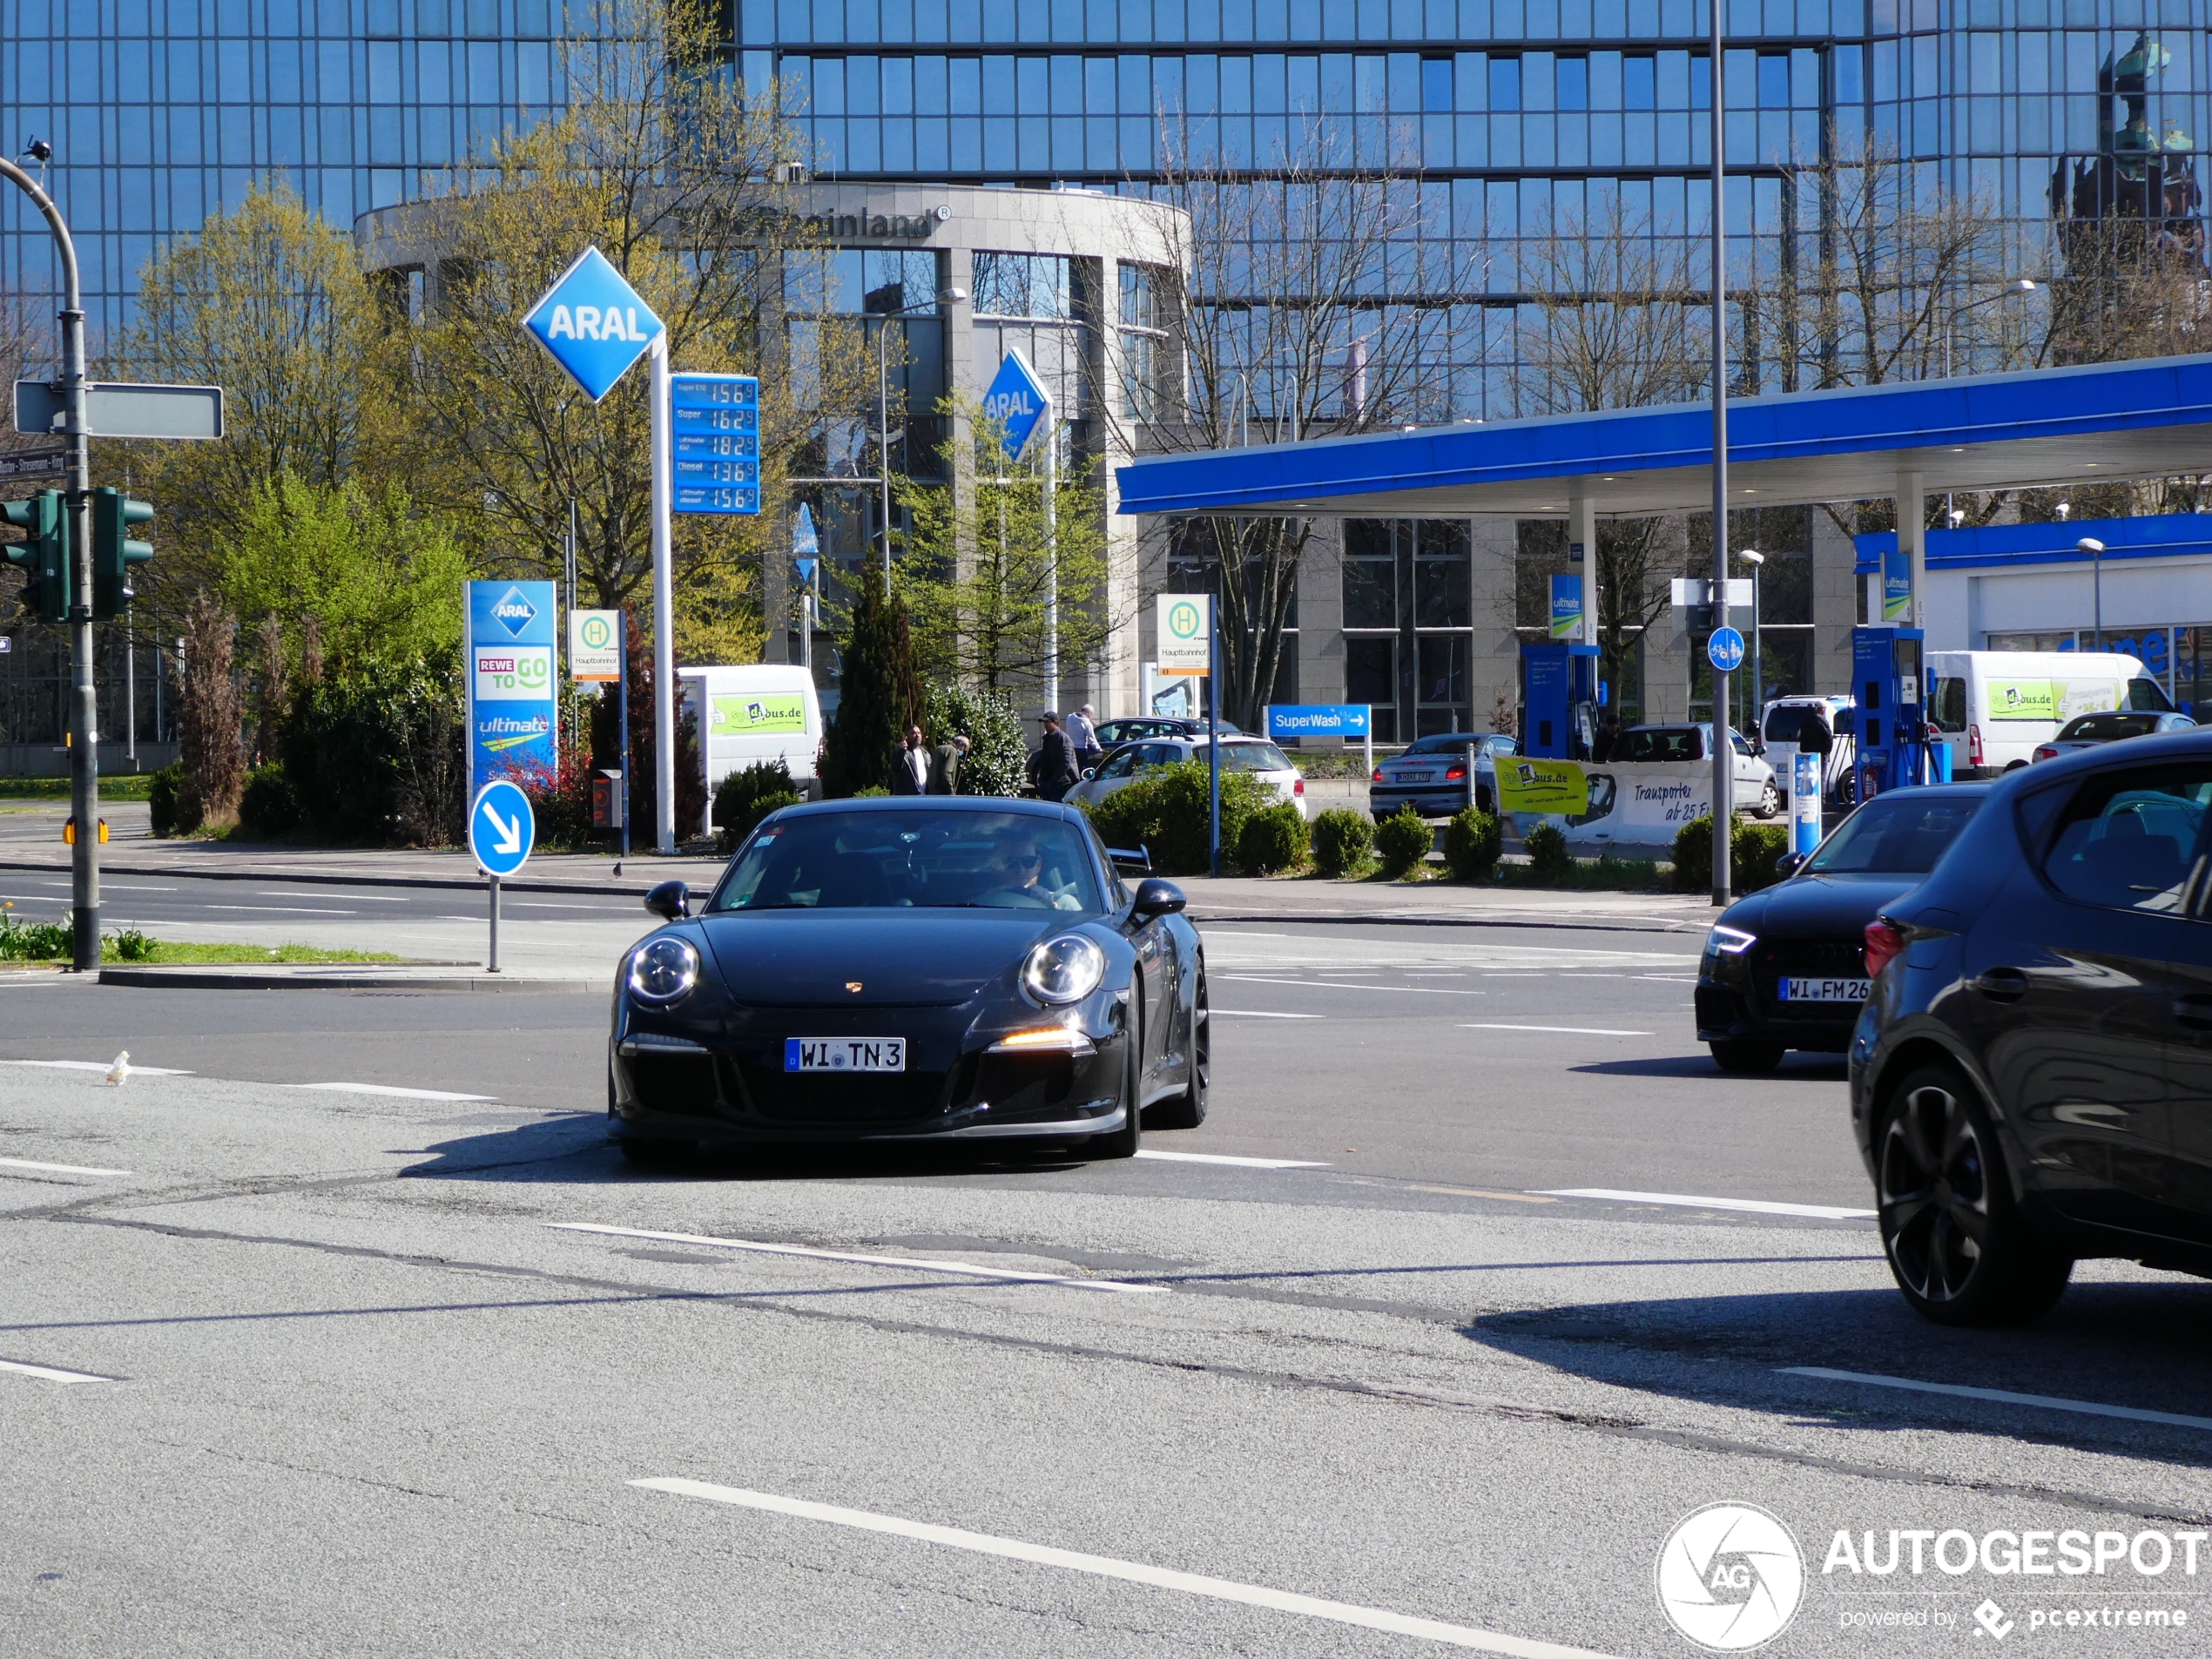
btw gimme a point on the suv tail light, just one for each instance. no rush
(1973, 746)
(1884, 942)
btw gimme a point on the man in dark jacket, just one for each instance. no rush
(1053, 769)
(910, 765)
(944, 764)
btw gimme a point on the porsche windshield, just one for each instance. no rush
(892, 859)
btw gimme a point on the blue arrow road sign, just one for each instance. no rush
(594, 323)
(1725, 650)
(502, 828)
(1017, 400)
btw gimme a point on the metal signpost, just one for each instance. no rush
(502, 829)
(1019, 402)
(68, 407)
(512, 702)
(1184, 645)
(1724, 650)
(1723, 751)
(597, 328)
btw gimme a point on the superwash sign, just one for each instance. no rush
(511, 681)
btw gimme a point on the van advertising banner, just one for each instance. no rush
(2049, 700)
(745, 717)
(1543, 788)
(510, 682)
(1636, 803)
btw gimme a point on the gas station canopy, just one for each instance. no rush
(2045, 426)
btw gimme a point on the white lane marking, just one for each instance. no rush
(352, 897)
(1257, 1014)
(118, 886)
(1569, 1030)
(1755, 1206)
(50, 1374)
(547, 904)
(282, 909)
(1242, 1163)
(57, 1168)
(909, 1262)
(2002, 1396)
(1348, 985)
(386, 1088)
(98, 1065)
(1219, 1589)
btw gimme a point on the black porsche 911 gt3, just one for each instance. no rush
(942, 970)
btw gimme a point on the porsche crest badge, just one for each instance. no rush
(854, 986)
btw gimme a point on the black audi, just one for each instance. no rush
(1785, 967)
(2031, 1081)
(959, 969)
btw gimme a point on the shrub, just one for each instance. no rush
(1548, 855)
(1342, 841)
(1165, 812)
(1402, 840)
(1274, 837)
(34, 941)
(1752, 851)
(269, 806)
(1472, 841)
(165, 799)
(560, 798)
(998, 755)
(377, 755)
(873, 791)
(131, 945)
(746, 796)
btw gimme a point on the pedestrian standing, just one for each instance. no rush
(945, 762)
(910, 766)
(1053, 770)
(1083, 733)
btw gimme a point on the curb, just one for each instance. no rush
(336, 979)
(472, 883)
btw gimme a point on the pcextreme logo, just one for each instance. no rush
(1730, 1577)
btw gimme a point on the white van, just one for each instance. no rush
(1992, 707)
(1783, 729)
(761, 712)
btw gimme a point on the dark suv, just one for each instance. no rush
(2031, 1080)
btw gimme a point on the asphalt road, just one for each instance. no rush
(1346, 1371)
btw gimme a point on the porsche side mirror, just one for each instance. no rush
(1090, 773)
(670, 901)
(1157, 898)
(1138, 862)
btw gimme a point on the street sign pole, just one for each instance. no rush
(1723, 751)
(626, 771)
(1051, 557)
(491, 957)
(501, 830)
(1213, 737)
(663, 611)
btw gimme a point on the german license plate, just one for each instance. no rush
(1824, 990)
(845, 1054)
(1415, 777)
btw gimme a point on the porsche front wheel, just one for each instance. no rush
(1188, 1110)
(1123, 1142)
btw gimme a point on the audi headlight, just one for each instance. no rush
(664, 969)
(1065, 969)
(1729, 941)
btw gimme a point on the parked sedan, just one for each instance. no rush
(1135, 728)
(1431, 775)
(1132, 760)
(2031, 1081)
(969, 969)
(2087, 731)
(1784, 967)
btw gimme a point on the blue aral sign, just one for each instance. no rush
(714, 436)
(1017, 400)
(502, 828)
(510, 681)
(1289, 721)
(594, 323)
(1725, 650)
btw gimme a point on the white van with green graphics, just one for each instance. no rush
(1992, 707)
(750, 713)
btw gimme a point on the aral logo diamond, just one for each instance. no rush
(514, 611)
(595, 324)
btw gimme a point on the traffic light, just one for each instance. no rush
(114, 552)
(44, 557)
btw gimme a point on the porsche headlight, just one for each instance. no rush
(1065, 969)
(664, 969)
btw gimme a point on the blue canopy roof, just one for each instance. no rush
(2043, 427)
(2154, 536)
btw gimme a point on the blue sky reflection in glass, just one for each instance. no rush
(594, 323)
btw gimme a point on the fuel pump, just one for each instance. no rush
(1892, 688)
(1558, 699)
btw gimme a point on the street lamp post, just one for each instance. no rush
(2095, 550)
(1723, 751)
(943, 297)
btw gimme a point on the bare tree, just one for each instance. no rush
(1298, 308)
(208, 718)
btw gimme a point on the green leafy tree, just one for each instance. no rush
(998, 757)
(879, 697)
